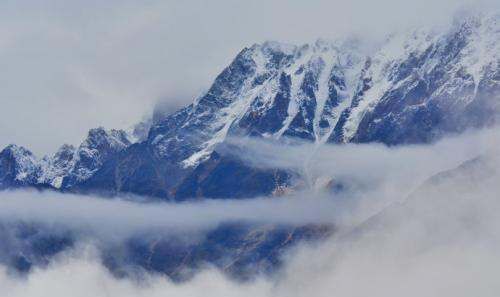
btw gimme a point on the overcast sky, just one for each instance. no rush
(68, 66)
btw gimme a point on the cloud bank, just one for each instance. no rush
(372, 177)
(441, 241)
(119, 218)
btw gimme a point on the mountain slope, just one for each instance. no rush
(67, 167)
(412, 88)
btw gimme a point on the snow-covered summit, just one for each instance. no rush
(67, 165)
(411, 88)
(271, 90)
(18, 166)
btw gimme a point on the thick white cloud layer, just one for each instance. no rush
(442, 242)
(374, 175)
(68, 66)
(115, 218)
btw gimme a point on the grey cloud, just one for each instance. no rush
(443, 241)
(113, 217)
(376, 177)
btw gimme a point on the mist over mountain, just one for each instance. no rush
(415, 87)
(343, 167)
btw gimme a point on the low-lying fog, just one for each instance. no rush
(442, 241)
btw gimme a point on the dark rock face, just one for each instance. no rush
(138, 170)
(210, 179)
(22, 245)
(240, 250)
(7, 169)
(260, 121)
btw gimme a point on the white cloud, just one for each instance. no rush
(113, 218)
(84, 276)
(443, 242)
(375, 176)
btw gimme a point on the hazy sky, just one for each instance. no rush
(68, 66)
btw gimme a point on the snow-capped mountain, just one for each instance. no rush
(412, 88)
(18, 167)
(69, 165)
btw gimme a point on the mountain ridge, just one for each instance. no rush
(414, 88)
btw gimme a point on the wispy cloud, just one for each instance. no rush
(117, 218)
(443, 241)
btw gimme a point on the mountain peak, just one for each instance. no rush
(17, 150)
(276, 46)
(414, 87)
(18, 166)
